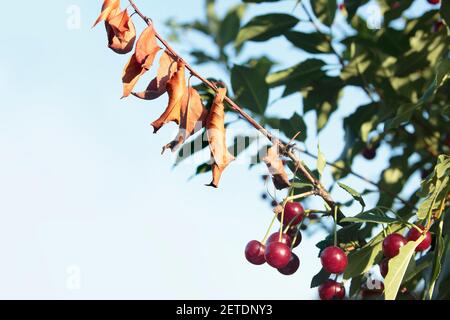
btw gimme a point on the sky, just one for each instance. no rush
(89, 208)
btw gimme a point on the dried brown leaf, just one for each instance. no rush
(276, 168)
(108, 8)
(215, 126)
(157, 87)
(176, 88)
(121, 33)
(146, 45)
(192, 118)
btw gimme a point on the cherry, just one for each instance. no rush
(277, 255)
(296, 236)
(434, 1)
(372, 294)
(292, 266)
(254, 252)
(275, 237)
(395, 5)
(392, 244)
(342, 6)
(331, 290)
(334, 260)
(415, 234)
(369, 153)
(293, 213)
(384, 267)
(437, 26)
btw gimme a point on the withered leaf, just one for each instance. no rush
(121, 32)
(176, 88)
(192, 118)
(157, 87)
(276, 168)
(215, 126)
(135, 67)
(109, 7)
(146, 45)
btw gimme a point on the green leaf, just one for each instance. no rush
(265, 27)
(260, 1)
(356, 195)
(290, 127)
(299, 75)
(352, 6)
(321, 161)
(360, 261)
(325, 10)
(445, 12)
(397, 268)
(437, 261)
(250, 89)
(310, 42)
(369, 217)
(319, 278)
(230, 25)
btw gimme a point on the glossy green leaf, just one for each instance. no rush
(356, 195)
(321, 161)
(360, 261)
(265, 27)
(310, 42)
(250, 89)
(325, 10)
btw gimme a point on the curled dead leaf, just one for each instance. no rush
(121, 32)
(135, 67)
(176, 88)
(146, 45)
(276, 168)
(215, 126)
(108, 9)
(192, 118)
(158, 86)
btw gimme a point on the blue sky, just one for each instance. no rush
(89, 208)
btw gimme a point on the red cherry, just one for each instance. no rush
(414, 234)
(372, 294)
(293, 214)
(434, 1)
(384, 267)
(296, 236)
(292, 266)
(277, 255)
(447, 142)
(369, 153)
(254, 252)
(392, 244)
(275, 237)
(395, 5)
(342, 6)
(334, 260)
(331, 290)
(437, 26)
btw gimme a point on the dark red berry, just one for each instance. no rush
(292, 266)
(274, 203)
(334, 260)
(434, 1)
(447, 142)
(415, 234)
(392, 244)
(331, 290)
(438, 25)
(384, 267)
(372, 294)
(293, 214)
(277, 254)
(395, 5)
(275, 237)
(341, 6)
(296, 237)
(254, 252)
(369, 153)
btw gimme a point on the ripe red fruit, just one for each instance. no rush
(254, 252)
(342, 6)
(437, 26)
(293, 214)
(296, 236)
(372, 294)
(384, 267)
(292, 266)
(275, 237)
(331, 290)
(369, 153)
(334, 260)
(415, 234)
(392, 244)
(277, 255)
(434, 1)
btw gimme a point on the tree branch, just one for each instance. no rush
(284, 148)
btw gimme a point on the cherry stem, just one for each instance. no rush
(285, 149)
(263, 241)
(335, 227)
